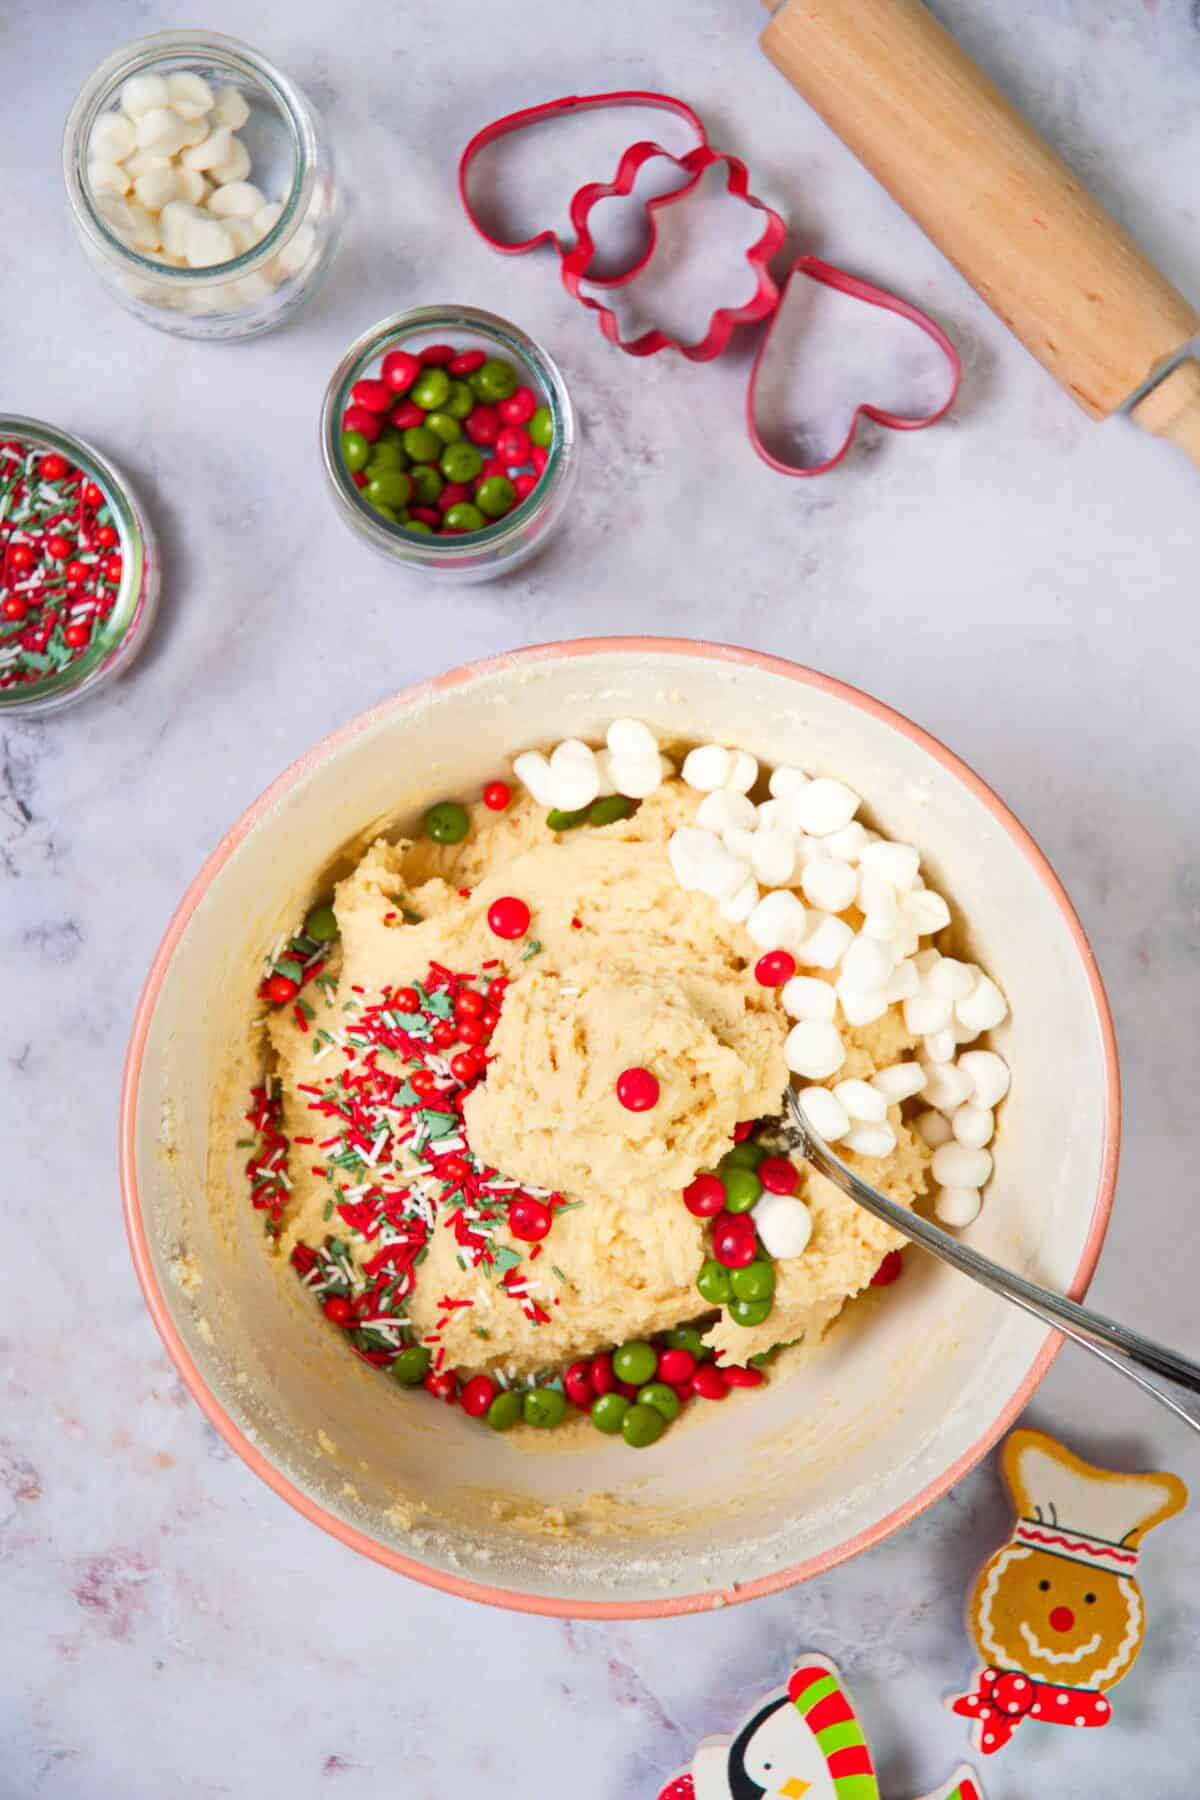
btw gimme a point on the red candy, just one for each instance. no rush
(404, 414)
(57, 547)
(708, 1382)
(477, 1395)
(428, 515)
(601, 1374)
(106, 537)
(524, 484)
(451, 494)
(734, 1375)
(358, 478)
(637, 1089)
(435, 355)
(508, 918)
(112, 569)
(423, 1082)
(469, 1004)
(21, 559)
(491, 467)
(519, 408)
(443, 1386)
(704, 1197)
(513, 446)
(399, 370)
(889, 1270)
(77, 635)
(628, 1388)
(773, 969)
(362, 419)
(472, 1031)
(53, 466)
(742, 1130)
(529, 1219)
(577, 1383)
(406, 1000)
(482, 424)
(443, 1034)
(734, 1242)
(338, 1309)
(497, 795)
(376, 396)
(281, 989)
(465, 1066)
(778, 1175)
(14, 607)
(539, 458)
(455, 1168)
(676, 1366)
(466, 362)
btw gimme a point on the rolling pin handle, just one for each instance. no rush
(1171, 410)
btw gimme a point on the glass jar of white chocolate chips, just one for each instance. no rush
(202, 185)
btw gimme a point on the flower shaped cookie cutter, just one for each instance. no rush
(766, 297)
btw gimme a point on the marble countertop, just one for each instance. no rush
(1018, 580)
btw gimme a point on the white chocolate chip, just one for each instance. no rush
(871, 1140)
(722, 811)
(142, 93)
(898, 864)
(229, 108)
(773, 857)
(900, 1081)
(739, 906)
(989, 1073)
(861, 1006)
(266, 219)
(983, 1008)
(778, 922)
(156, 187)
(208, 244)
(973, 1125)
(946, 1086)
(825, 1113)
(927, 1011)
(160, 130)
(784, 1225)
(827, 941)
(701, 862)
(862, 1101)
(107, 178)
(631, 741)
(743, 772)
(175, 222)
(954, 1165)
(216, 148)
(785, 782)
(903, 982)
(866, 963)
(112, 140)
(925, 912)
(574, 778)
(707, 768)
(814, 1050)
(934, 1128)
(235, 167)
(823, 806)
(237, 200)
(957, 1206)
(939, 1046)
(828, 884)
(808, 997)
(189, 94)
(191, 186)
(847, 844)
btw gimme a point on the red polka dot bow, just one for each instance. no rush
(1004, 1697)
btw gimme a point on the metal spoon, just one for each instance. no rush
(1118, 1346)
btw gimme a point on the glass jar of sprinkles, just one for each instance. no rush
(79, 572)
(203, 248)
(529, 492)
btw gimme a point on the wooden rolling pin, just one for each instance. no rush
(999, 203)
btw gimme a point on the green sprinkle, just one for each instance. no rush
(532, 948)
(328, 1213)
(507, 1258)
(244, 1144)
(287, 965)
(555, 1270)
(306, 1009)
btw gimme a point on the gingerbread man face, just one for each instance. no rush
(1055, 1619)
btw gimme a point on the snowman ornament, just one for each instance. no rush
(1056, 1613)
(801, 1742)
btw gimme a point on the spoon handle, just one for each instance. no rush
(1116, 1344)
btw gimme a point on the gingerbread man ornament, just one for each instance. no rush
(1056, 1613)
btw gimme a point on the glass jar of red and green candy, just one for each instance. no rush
(450, 442)
(79, 572)
(202, 185)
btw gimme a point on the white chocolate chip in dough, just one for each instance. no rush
(824, 806)
(743, 772)
(989, 1073)
(825, 1113)
(707, 768)
(532, 770)
(957, 1206)
(631, 740)
(778, 922)
(808, 997)
(784, 1225)
(871, 1140)
(862, 1101)
(814, 1050)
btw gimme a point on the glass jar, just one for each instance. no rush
(122, 633)
(285, 248)
(499, 546)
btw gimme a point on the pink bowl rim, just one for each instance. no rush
(551, 1605)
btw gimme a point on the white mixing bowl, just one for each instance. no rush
(907, 1393)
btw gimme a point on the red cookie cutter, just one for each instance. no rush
(764, 302)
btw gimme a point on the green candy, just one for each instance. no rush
(496, 496)
(464, 517)
(750, 1312)
(427, 483)
(504, 1411)
(411, 1366)
(422, 445)
(642, 1426)
(713, 1282)
(431, 389)
(392, 486)
(686, 1337)
(607, 1413)
(755, 1282)
(742, 1189)
(557, 820)
(419, 526)
(635, 1362)
(356, 450)
(447, 822)
(744, 1156)
(608, 809)
(662, 1398)
(382, 508)
(389, 455)
(458, 462)
(541, 427)
(461, 400)
(544, 1407)
(321, 925)
(447, 428)
(493, 380)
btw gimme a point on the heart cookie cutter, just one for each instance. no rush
(767, 296)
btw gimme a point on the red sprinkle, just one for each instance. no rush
(704, 1197)
(637, 1089)
(889, 1270)
(497, 795)
(778, 1175)
(773, 969)
(509, 918)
